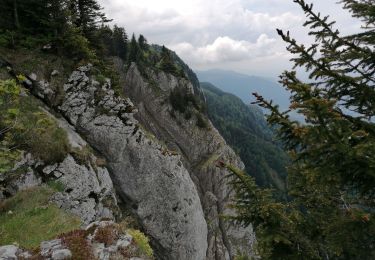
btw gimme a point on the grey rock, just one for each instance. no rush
(9, 252)
(54, 73)
(85, 190)
(61, 254)
(27, 180)
(124, 241)
(33, 76)
(44, 90)
(49, 169)
(48, 247)
(47, 47)
(25, 255)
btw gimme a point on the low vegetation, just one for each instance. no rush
(77, 243)
(25, 126)
(28, 218)
(142, 242)
(183, 101)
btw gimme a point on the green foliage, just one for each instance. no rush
(201, 120)
(76, 46)
(26, 127)
(56, 185)
(331, 178)
(168, 65)
(246, 130)
(142, 242)
(9, 101)
(135, 53)
(182, 99)
(28, 219)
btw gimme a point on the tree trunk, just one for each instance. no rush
(16, 20)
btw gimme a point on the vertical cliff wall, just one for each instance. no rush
(200, 149)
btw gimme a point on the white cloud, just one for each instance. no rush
(225, 49)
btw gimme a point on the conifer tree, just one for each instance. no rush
(166, 63)
(87, 15)
(142, 43)
(134, 51)
(120, 42)
(332, 177)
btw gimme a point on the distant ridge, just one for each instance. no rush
(243, 86)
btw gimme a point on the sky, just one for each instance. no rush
(238, 35)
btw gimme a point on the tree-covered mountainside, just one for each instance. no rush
(245, 129)
(243, 85)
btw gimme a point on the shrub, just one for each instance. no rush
(107, 235)
(78, 245)
(183, 101)
(201, 121)
(6, 38)
(82, 155)
(142, 242)
(9, 102)
(46, 140)
(56, 185)
(28, 218)
(75, 45)
(25, 126)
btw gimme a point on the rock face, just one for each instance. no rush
(155, 183)
(200, 149)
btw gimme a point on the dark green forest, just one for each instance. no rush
(244, 128)
(79, 31)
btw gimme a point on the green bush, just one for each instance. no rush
(9, 103)
(201, 121)
(28, 218)
(181, 100)
(56, 185)
(142, 242)
(6, 38)
(25, 126)
(77, 46)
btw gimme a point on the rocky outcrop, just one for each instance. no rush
(153, 182)
(86, 188)
(200, 147)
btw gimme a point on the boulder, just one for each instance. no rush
(9, 252)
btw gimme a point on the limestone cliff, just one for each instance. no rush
(200, 149)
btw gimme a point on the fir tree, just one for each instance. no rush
(331, 180)
(134, 51)
(142, 43)
(166, 63)
(120, 42)
(87, 15)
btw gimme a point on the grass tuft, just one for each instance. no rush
(28, 218)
